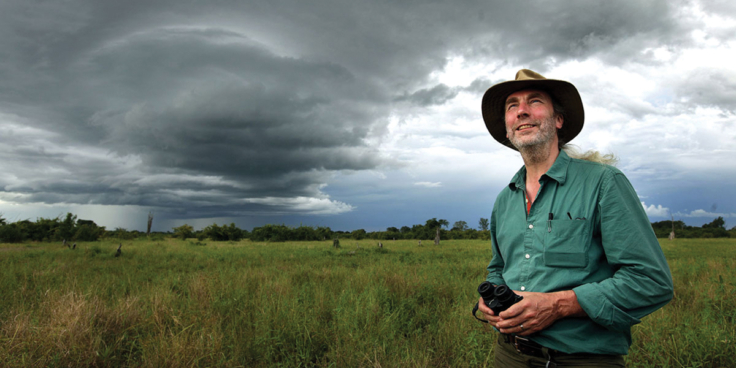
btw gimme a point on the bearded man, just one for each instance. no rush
(568, 235)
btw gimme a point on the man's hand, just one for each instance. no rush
(491, 317)
(534, 313)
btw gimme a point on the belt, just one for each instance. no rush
(529, 347)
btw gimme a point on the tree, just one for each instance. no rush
(323, 233)
(718, 223)
(184, 231)
(358, 234)
(460, 226)
(10, 233)
(223, 233)
(66, 228)
(483, 224)
(271, 233)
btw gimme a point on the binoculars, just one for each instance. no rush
(498, 298)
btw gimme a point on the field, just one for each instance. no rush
(188, 303)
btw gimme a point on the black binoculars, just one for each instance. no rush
(498, 298)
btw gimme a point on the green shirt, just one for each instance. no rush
(599, 243)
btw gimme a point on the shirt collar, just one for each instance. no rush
(557, 172)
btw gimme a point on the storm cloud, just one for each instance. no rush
(222, 109)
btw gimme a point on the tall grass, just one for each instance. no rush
(303, 304)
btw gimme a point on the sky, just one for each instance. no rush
(347, 114)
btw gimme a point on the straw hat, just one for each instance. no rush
(564, 93)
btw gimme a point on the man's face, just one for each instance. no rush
(530, 119)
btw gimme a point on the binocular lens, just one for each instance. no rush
(486, 290)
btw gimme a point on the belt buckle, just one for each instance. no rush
(516, 343)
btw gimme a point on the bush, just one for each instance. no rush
(10, 234)
(88, 233)
(271, 233)
(184, 231)
(223, 233)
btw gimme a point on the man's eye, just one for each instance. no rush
(510, 106)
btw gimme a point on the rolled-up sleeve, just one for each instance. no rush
(642, 282)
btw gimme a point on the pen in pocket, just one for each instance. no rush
(549, 223)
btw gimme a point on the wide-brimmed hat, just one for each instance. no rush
(564, 93)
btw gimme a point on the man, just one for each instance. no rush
(570, 236)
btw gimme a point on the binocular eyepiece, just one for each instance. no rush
(498, 298)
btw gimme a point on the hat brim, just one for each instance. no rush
(564, 93)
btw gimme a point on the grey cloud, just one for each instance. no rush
(436, 95)
(708, 87)
(480, 85)
(217, 107)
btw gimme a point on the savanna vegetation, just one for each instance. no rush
(72, 229)
(169, 302)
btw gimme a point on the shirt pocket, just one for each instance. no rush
(566, 243)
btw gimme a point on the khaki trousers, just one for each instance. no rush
(507, 357)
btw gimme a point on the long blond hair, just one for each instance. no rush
(590, 155)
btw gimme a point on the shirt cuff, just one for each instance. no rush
(600, 309)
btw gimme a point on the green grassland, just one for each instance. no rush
(242, 304)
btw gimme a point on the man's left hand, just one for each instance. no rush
(538, 311)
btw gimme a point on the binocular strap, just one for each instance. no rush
(475, 309)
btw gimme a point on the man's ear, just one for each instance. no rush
(559, 121)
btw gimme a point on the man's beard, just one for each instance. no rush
(536, 149)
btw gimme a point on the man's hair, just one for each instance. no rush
(590, 155)
(558, 110)
(575, 152)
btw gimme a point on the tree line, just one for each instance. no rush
(70, 228)
(713, 229)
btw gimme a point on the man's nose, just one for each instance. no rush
(522, 110)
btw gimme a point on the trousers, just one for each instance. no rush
(507, 357)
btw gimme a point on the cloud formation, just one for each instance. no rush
(226, 109)
(656, 211)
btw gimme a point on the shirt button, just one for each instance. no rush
(523, 288)
(531, 226)
(527, 256)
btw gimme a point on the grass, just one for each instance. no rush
(303, 304)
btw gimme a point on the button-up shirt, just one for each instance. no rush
(587, 232)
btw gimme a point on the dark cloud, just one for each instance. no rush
(436, 95)
(224, 108)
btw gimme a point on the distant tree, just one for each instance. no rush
(483, 224)
(222, 233)
(323, 233)
(67, 227)
(358, 234)
(88, 233)
(121, 233)
(392, 230)
(86, 230)
(10, 233)
(460, 226)
(405, 230)
(271, 233)
(184, 231)
(718, 223)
